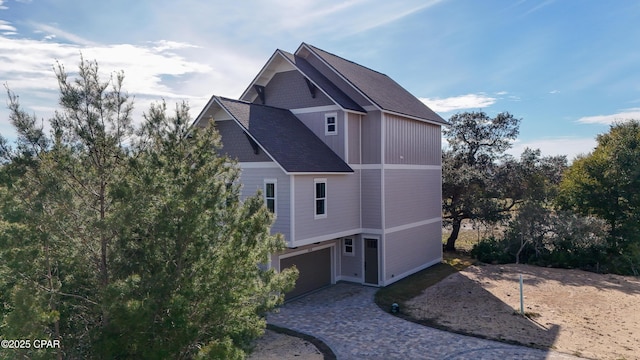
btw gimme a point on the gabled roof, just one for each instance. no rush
(275, 62)
(377, 87)
(323, 83)
(284, 137)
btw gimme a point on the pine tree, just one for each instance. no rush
(129, 243)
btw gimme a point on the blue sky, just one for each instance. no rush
(567, 68)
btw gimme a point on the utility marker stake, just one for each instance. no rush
(521, 298)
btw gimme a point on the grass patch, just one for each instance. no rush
(412, 286)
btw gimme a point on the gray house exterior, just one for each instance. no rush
(349, 162)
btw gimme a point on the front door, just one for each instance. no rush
(371, 261)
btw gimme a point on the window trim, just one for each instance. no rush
(345, 246)
(335, 124)
(316, 198)
(275, 194)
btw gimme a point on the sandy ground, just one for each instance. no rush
(571, 311)
(275, 346)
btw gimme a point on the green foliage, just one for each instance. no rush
(491, 250)
(476, 142)
(129, 243)
(541, 236)
(481, 182)
(605, 184)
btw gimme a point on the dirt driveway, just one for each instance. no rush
(571, 311)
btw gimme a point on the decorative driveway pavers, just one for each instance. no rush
(345, 317)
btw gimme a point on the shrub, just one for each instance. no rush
(492, 250)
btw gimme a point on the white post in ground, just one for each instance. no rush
(521, 297)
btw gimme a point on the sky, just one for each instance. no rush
(567, 68)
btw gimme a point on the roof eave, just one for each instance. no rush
(430, 121)
(320, 172)
(259, 75)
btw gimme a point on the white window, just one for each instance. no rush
(320, 198)
(270, 194)
(331, 124)
(347, 247)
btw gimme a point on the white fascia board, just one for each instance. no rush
(414, 118)
(258, 165)
(262, 71)
(395, 167)
(313, 109)
(320, 173)
(204, 111)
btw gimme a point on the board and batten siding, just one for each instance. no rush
(412, 195)
(411, 250)
(371, 199)
(316, 122)
(371, 137)
(289, 90)
(343, 207)
(236, 145)
(353, 138)
(412, 142)
(252, 180)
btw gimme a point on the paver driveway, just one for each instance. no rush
(345, 317)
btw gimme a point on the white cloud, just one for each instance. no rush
(5, 25)
(163, 45)
(307, 18)
(469, 101)
(61, 34)
(554, 91)
(569, 146)
(152, 72)
(2, 7)
(627, 114)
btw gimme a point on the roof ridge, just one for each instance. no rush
(347, 60)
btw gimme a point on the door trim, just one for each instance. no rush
(364, 258)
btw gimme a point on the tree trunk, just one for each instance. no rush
(451, 241)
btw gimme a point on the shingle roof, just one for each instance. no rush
(283, 136)
(330, 88)
(378, 87)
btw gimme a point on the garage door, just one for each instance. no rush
(315, 271)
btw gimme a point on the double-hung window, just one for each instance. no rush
(320, 198)
(331, 124)
(347, 247)
(270, 194)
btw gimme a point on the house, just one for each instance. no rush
(349, 162)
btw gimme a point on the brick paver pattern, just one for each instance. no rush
(345, 317)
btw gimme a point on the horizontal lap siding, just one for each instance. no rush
(343, 201)
(289, 90)
(412, 248)
(253, 180)
(412, 195)
(412, 142)
(351, 266)
(316, 122)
